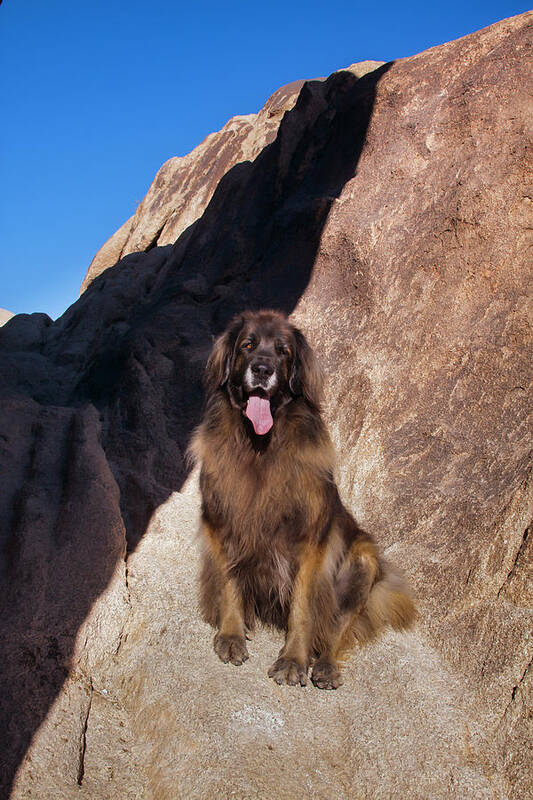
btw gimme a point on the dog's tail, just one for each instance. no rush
(389, 605)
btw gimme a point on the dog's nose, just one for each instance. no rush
(262, 370)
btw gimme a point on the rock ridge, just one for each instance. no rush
(390, 214)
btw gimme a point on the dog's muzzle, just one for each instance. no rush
(260, 375)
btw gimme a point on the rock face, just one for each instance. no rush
(184, 186)
(4, 316)
(391, 215)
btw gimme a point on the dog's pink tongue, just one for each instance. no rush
(258, 412)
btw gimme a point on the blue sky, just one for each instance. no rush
(96, 96)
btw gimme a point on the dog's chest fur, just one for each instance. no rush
(260, 523)
(262, 505)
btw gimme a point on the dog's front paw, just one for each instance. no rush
(326, 675)
(285, 670)
(231, 648)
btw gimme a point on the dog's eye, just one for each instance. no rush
(247, 345)
(282, 349)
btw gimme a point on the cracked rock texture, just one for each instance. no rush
(389, 209)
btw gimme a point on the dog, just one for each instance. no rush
(278, 544)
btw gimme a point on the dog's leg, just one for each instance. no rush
(293, 661)
(355, 580)
(230, 641)
(326, 673)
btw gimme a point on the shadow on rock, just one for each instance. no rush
(98, 407)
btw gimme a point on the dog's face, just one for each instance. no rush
(263, 363)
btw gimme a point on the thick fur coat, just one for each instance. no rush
(278, 544)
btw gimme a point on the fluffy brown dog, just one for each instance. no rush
(279, 546)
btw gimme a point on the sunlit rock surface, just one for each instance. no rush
(391, 215)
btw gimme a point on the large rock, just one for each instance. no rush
(184, 185)
(391, 215)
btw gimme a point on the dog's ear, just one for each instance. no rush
(218, 365)
(306, 376)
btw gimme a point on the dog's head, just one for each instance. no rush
(263, 363)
